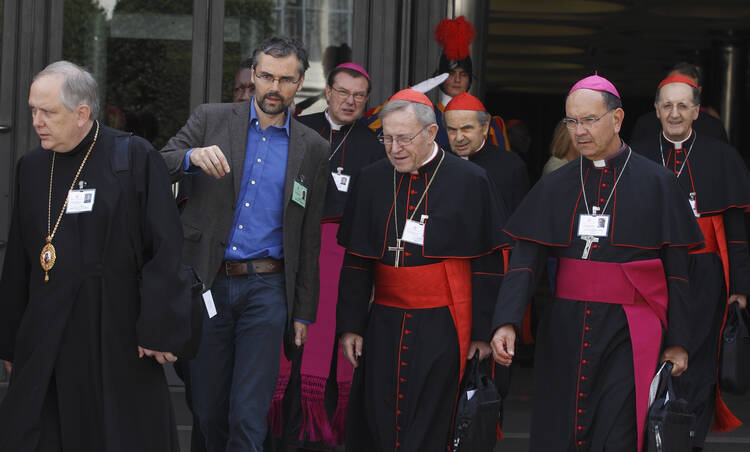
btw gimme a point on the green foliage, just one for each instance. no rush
(144, 83)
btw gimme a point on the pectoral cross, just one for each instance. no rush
(398, 249)
(587, 249)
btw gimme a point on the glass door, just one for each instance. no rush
(140, 53)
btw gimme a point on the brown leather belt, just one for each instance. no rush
(254, 266)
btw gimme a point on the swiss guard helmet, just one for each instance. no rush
(455, 36)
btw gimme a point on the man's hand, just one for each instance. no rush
(351, 345)
(504, 344)
(483, 348)
(300, 333)
(678, 356)
(739, 298)
(211, 160)
(8, 366)
(161, 357)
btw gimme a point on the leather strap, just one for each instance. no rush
(254, 266)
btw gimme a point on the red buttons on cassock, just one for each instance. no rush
(581, 443)
(402, 380)
(408, 316)
(580, 428)
(588, 311)
(398, 412)
(413, 192)
(606, 170)
(407, 331)
(404, 347)
(403, 363)
(604, 185)
(583, 378)
(398, 427)
(588, 328)
(581, 411)
(406, 253)
(584, 361)
(602, 200)
(586, 345)
(411, 207)
(400, 396)
(581, 394)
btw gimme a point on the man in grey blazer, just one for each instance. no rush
(252, 231)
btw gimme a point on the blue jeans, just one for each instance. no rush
(234, 374)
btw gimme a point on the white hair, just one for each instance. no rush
(79, 86)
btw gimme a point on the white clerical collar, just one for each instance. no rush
(603, 162)
(678, 144)
(429, 159)
(334, 126)
(444, 98)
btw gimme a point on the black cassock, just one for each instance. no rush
(77, 382)
(584, 393)
(405, 388)
(506, 170)
(716, 174)
(352, 147)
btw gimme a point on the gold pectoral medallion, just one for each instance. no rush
(47, 258)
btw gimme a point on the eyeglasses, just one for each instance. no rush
(402, 140)
(667, 107)
(344, 94)
(284, 82)
(587, 122)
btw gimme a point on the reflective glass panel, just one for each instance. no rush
(140, 54)
(324, 26)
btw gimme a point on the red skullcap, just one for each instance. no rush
(410, 95)
(465, 101)
(354, 67)
(677, 78)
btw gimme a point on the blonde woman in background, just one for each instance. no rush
(561, 148)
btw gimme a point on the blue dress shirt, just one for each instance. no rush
(258, 219)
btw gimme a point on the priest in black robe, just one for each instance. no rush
(424, 246)
(619, 227)
(353, 144)
(325, 374)
(467, 123)
(716, 183)
(79, 320)
(648, 126)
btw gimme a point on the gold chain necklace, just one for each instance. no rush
(48, 255)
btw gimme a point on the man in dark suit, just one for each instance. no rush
(252, 231)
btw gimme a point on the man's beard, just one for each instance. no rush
(270, 109)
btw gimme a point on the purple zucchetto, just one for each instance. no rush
(596, 83)
(354, 67)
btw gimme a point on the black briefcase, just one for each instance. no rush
(734, 367)
(670, 424)
(477, 411)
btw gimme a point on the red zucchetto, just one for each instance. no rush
(410, 95)
(465, 101)
(677, 78)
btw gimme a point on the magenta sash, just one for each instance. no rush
(641, 288)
